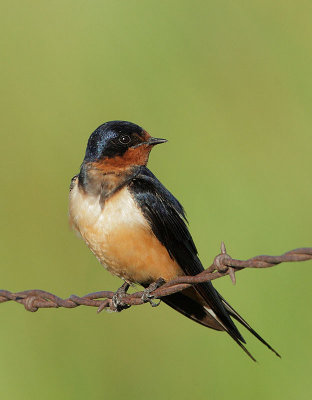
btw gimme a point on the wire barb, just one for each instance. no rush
(222, 265)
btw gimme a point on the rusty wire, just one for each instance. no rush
(222, 265)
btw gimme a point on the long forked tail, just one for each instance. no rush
(190, 304)
(241, 320)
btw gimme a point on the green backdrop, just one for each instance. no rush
(229, 84)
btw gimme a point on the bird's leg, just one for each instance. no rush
(147, 296)
(120, 293)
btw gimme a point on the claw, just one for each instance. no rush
(147, 297)
(117, 303)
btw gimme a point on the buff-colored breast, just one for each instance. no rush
(120, 237)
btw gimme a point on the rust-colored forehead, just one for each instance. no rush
(138, 136)
(145, 135)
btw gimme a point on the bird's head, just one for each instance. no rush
(119, 144)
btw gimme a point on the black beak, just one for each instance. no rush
(152, 141)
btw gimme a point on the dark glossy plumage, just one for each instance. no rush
(168, 222)
(115, 159)
(102, 142)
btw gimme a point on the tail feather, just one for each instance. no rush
(209, 296)
(243, 347)
(241, 320)
(192, 309)
(190, 303)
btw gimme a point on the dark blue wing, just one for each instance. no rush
(168, 222)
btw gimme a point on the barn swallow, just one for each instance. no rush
(137, 229)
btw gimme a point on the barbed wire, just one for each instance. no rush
(222, 265)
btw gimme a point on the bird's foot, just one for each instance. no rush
(147, 297)
(117, 300)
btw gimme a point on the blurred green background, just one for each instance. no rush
(229, 84)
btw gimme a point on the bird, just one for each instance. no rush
(138, 230)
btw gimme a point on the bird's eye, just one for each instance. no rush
(124, 139)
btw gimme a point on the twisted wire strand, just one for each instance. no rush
(222, 265)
